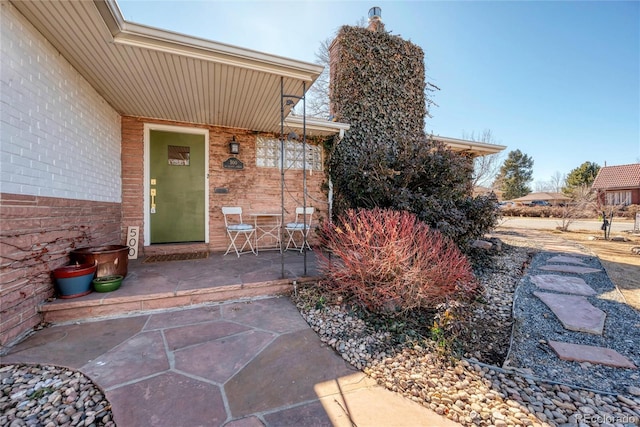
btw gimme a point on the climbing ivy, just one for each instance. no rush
(378, 85)
(385, 159)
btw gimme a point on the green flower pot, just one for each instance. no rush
(107, 283)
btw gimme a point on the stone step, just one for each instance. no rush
(108, 304)
(562, 248)
(566, 259)
(563, 284)
(591, 354)
(574, 312)
(563, 268)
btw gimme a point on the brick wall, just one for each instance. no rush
(59, 137)
(635, 195)
(60, 172)
(255, 189)
(37, 235)
(132, 175)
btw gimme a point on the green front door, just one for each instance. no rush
(177, 187)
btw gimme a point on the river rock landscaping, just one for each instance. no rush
(50, 396)
(409, 356)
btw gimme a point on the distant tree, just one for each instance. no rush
(485, 168)
(583, 205)
(581, 177)
(558, 182)
(515, 175)
(554, 185)
(541, 186)
(318, 94)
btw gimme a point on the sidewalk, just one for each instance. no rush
(246, 364)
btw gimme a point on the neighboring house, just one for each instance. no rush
(98, 115)
(554, 199)
(479, 190)
(618, 185)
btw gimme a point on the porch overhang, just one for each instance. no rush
(475, 148)
(149, 72)
(315, 126)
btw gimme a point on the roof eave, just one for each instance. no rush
(618, 188)
(316, 126)
(129, 33)
(474, 147)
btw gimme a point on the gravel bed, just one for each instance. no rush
(475, 393)
(536, 325)
(49, 396)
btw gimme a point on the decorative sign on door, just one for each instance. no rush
(132, 241)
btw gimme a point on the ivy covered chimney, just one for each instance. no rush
(377, 82)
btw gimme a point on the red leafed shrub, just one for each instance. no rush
(385, 260)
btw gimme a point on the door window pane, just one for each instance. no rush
(179, 156)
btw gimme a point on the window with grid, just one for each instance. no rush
(268, 154)
(619, 198)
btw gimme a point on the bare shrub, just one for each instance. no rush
(628, 212)
(570, 212)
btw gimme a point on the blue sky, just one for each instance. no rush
(558, 80)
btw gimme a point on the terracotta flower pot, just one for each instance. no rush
(74, 280)
(112, 259)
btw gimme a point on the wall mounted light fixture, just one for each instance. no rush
(234, 146)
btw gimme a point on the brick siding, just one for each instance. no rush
(635, 195)
(60, 182)
(255, 189)
(37, 235)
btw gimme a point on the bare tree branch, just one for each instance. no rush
(485, 168)
(583, 203)
(555, 185)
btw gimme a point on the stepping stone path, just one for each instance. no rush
(566, 259)
(572, 308)
(591, 354)
(568, 285)
(562, 268)
(574, 312)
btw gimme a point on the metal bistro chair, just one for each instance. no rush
(299, 226)
(235, 227)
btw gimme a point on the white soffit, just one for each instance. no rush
(314, 126)
(148, 72)
(475, 148)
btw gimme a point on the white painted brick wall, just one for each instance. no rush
(58, 136)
